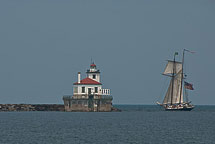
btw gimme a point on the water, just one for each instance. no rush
(135, 125)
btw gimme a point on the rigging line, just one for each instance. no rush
(163, 88)
(189, 51)
(186, 95)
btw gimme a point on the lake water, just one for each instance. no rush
(136, 124)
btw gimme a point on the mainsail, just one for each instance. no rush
(169, 67)
(174, 97)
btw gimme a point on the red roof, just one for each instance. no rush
(93, 65)
(87, 81)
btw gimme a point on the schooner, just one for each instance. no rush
(176, 97)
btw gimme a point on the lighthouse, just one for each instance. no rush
(88, 94)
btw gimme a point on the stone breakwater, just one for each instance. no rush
(31, 107)
(38, 107)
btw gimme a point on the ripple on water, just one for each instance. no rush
(136, 124)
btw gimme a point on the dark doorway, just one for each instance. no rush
(89, 90)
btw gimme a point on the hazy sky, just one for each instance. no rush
(44, 43)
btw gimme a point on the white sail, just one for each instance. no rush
(175, 95)
(169, 67)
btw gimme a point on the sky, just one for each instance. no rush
(44, 43)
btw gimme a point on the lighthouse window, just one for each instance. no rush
(75, 89)
(83, 89)
(96, 89)
(94, 76)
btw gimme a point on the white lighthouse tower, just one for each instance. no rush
(93, 73)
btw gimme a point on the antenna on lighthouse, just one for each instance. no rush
(92, 61)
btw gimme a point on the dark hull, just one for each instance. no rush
(180, 109)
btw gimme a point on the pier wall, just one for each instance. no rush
(94, 104)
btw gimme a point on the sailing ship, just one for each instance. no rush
(176, 97)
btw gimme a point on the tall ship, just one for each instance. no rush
(176, 98)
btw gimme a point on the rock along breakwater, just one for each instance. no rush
(31, 107)
(38, 107)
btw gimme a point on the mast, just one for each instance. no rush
(173, 76)
(182, 76)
